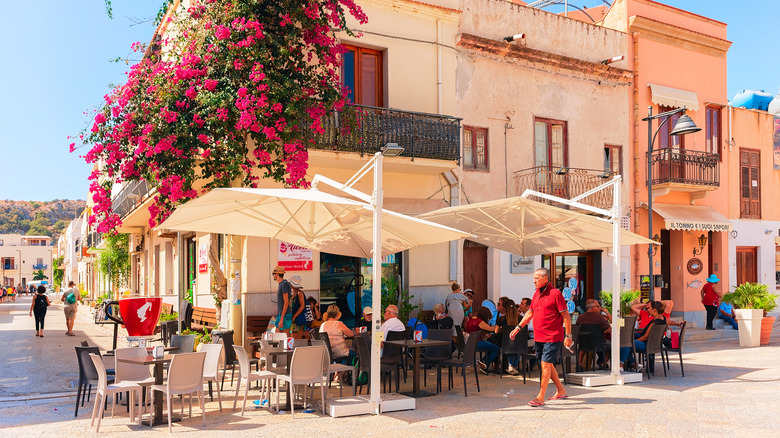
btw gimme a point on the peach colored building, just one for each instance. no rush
(679, 60)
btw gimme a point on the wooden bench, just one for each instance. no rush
(255, 327)
(167, 309)
(203, 318)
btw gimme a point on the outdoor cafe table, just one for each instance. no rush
(416, 346)
(158, 380)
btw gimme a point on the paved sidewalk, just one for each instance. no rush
(728, 391)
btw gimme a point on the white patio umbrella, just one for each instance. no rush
(309, 218)
(526, 227)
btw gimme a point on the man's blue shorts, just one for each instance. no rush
(548, 351)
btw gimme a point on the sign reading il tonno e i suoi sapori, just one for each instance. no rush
(697, 226)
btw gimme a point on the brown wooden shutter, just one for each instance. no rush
(750, 193)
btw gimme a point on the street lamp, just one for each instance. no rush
(683, 126)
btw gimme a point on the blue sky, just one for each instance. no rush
(56, 67)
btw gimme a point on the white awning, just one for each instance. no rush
(673, 97)
(692, 218)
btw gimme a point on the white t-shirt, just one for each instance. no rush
(392, 325)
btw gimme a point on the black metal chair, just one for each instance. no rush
(392, 358)
(460, 340)
(364, 358)
(678, 349)
(88, 375)
(654, 346)
(627, 334)
(591, 341)
(469, 359)
(434, 355)
(232, 361)
(185, 311)
(518, 346)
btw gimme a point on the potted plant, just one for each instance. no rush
(767, 304)
(626, 297)
(751, 301)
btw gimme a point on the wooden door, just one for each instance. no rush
(475, 271)
(746, 265)
(666, 265)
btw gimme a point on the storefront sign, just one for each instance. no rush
(698, 226)
(203, 258)
(695, 266)
(294, 257)
(777, 143)
(521, 265)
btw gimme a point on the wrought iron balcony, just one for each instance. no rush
(365, 129)
(41, 266)
(686, 167)
(93, 239)
(565, 183)
(125, 201)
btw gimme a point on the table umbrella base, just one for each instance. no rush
(163, 420)
(361, 405)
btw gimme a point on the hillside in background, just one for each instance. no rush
(38, 218)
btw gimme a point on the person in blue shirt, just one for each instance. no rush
(726, 313)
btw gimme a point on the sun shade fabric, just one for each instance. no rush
(309, 218)
(526, 227)
(674, 97)
(692, 218)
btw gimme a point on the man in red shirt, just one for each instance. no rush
(550, 315)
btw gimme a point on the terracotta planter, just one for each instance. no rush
(749, 321)
(766, 329)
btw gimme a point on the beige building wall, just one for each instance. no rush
(555, 72)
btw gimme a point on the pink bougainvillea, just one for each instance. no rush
(225, 98)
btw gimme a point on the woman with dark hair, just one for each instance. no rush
(39, 305)
(478, 325)
(656, 311)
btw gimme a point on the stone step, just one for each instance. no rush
(701, 334)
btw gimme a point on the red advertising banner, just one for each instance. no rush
(295, 258)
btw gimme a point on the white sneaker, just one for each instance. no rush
(511, 370)
(482, 365)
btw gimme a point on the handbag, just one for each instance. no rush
(675, 339)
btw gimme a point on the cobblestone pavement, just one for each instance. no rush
(727, 391)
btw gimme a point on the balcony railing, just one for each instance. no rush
(365, 129)
(125, 201)
(10, 267)
(565, 183)
(42, 266)
(683, 166)
(93, 239)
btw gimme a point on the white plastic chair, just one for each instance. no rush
(305, 368)
(128, 372)
(104, 390)
(185, 376)
(279, 366)
(329, 368)
(247, 377)
(211, 367)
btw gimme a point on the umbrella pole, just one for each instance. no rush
(376, 288)
(615, 353)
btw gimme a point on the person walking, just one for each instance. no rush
(710, 298)
(70, 298)
(38, 306)
(283, 305)
(552, 327)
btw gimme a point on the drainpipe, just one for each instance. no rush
(637, 152)
(439, 97)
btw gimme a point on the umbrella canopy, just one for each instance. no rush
(525, 227)
(309, 218)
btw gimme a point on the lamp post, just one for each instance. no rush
(683, 126)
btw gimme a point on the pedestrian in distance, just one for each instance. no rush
(70, 298)
(710, 298)
(552, 327)
(39, 305)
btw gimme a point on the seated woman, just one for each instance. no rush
(656, 311)
(315, 310)
(478, 325)
(440, 319)
(337, 331)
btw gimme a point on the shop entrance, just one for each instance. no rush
(580, 266)
(347, 283)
